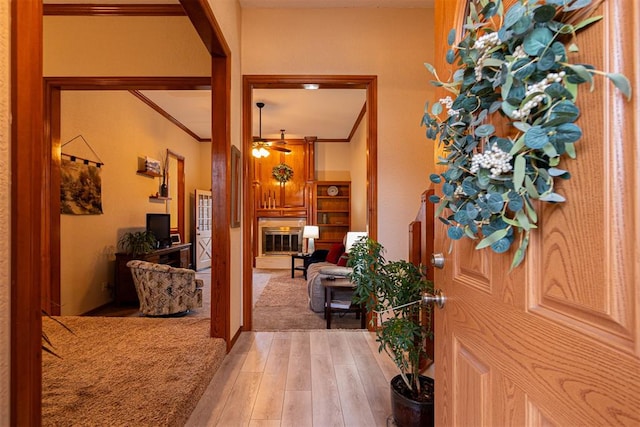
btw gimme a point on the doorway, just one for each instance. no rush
(250, 82)
(32, 196)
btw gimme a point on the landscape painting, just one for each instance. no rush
(80, 189)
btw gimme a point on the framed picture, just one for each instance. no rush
(236, 171)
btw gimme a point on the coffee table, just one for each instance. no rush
(332, 284)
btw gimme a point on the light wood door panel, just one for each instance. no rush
(557, 340)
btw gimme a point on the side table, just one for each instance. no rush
(295, 267)
(332, 306)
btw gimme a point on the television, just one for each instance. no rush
(160, 225)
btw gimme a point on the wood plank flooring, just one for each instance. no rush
(316, 378)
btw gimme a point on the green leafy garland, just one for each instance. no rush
(519, 70)
(282, 172)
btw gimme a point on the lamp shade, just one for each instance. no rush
(311, 232)
(352, 239)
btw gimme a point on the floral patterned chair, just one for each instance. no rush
(164, 290)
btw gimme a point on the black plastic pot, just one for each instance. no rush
(408, 412)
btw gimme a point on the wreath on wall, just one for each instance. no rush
(515, 64)
(282, 173)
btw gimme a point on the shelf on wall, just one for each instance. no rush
(149, 174)
(158, 198)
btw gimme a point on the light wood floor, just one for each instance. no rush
(299, 378)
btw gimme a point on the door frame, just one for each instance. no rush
(53, 86)
(31, 194)
(250, 82)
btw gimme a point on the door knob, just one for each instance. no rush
(437, 260)
(437, 298)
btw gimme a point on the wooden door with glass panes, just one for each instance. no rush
(203, 229)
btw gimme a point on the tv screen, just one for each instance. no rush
(160, 226)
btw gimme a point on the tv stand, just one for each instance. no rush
(125, 291)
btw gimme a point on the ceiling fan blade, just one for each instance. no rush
(276, 148)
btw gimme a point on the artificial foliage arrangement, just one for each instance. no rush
(514, 64)
(282, 173)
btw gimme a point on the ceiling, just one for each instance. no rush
(328, 114)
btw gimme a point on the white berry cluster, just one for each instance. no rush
(448, 103)
(459, 191)
(496, 160)
(484, 44)
(519, 52)
(538, 88)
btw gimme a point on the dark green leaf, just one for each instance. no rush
(469, 187)
(515, 202)
(522, 26)
(537, 40)
(495, 202)
(484, 178)
(544, 13)
(455, 233)
(451, 56)
(435, 178)
(434, 199)
(536, 137)
(451, 37)
(484, 130)
(559, 50)
(472, 211)
(547, 61)
(558, 91)
(501, 245)
(514, 13)
(566, 132)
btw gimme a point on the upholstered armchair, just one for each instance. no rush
(164, 290)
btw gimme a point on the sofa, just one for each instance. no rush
(164, 290)
(334, 265)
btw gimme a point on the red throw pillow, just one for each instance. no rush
(335, 251)
(342, 262)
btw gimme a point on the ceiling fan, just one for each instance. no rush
(261, 147)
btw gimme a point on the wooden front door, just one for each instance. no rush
(557, 340)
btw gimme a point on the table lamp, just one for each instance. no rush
(310, 232)
(352, 238)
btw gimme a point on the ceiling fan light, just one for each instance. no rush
(256, 152)
(264, 152)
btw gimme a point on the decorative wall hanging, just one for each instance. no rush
(80, 183)
(282, 173)
(514, 64)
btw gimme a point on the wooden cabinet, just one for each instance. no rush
(125, 291)
(331, 211)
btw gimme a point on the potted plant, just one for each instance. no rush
(393, 292)
(137, 242)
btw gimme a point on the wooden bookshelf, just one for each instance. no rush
(331, 211)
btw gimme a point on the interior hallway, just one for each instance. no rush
(300, 378)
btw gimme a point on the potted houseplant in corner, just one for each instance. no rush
(393, 292)
(137, 243)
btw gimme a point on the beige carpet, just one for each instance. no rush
(283, 305)
(127, 371)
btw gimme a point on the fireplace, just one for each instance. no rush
(278, 239)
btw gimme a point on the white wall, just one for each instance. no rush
(390, 43)
(5, 212)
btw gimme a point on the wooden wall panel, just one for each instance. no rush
(472, 390)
